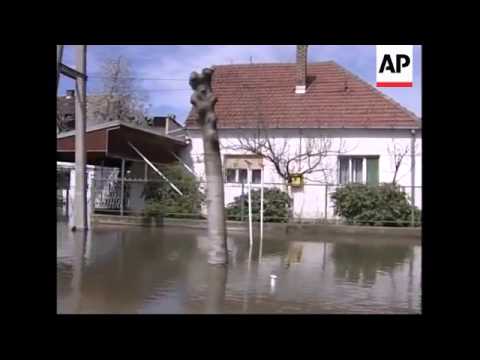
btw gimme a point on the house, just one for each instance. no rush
(104, 108)
(111, 159)
(298, 107)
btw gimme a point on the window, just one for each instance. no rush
(352, 169)
(242, 175)
(372, 171)
(237, 169)
(344, 165)
(231, 176)
(357, 167)
(256, 176)
(237, 176)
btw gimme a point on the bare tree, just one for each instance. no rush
(203, 102)
(121, 98)
(307, 158)
(398, 153)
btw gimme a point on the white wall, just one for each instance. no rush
(309, 202)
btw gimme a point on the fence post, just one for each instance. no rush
(413, 207)
(241, 203)
(412, 174)
(326, 202)
(122, 189)
(66, 201)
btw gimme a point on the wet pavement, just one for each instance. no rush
(134, 270)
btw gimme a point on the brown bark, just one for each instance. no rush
(203, 102)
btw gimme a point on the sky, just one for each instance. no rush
(163, 70)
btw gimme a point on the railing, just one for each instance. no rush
(312, 203)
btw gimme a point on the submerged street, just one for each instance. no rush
(135, 270)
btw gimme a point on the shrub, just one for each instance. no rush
(161, 199)
(275, 206)
(383, 205)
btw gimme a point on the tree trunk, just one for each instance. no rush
(203, 102)
(217, 280)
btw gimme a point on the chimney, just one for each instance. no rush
(70, 94)
(301, 86)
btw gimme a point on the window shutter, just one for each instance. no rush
(372, 171)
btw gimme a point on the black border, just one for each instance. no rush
(42, 147)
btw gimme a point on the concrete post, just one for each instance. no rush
(80, 203)
(122, 189)
(412, 170)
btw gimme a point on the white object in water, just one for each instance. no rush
(273, 279)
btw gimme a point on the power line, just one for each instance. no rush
(136, 78)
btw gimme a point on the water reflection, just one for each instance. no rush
(356, 261)
(137, 270)
(217, 280)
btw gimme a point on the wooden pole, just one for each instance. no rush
(80, 201)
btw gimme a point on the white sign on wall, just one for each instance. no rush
(394, 66)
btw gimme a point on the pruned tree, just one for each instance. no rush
(203, 101)
(398, 153)
(120, 98)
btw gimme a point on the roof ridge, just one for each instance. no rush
(273, 64)
(385, 96)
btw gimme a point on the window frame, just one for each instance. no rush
(237, 176)
(350, 170)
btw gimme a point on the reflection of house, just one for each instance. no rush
(300, 103)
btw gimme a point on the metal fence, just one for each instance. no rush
(310, 203)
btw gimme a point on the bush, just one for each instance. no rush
(383, 205)
(161, 199)
(275, 206)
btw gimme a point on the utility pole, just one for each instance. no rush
(80, 76)
(59, 61)
(80, 203)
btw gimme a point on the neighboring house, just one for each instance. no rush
(302, 103)
(105, 108)
(108, 151)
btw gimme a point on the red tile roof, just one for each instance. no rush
(335, 98)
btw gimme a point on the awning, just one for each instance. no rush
(107, 144)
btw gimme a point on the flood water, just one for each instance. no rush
(130, 270)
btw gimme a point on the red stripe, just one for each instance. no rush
(394, 84)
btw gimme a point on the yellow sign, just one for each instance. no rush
(296, 180)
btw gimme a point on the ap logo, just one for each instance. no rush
(394, 65)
